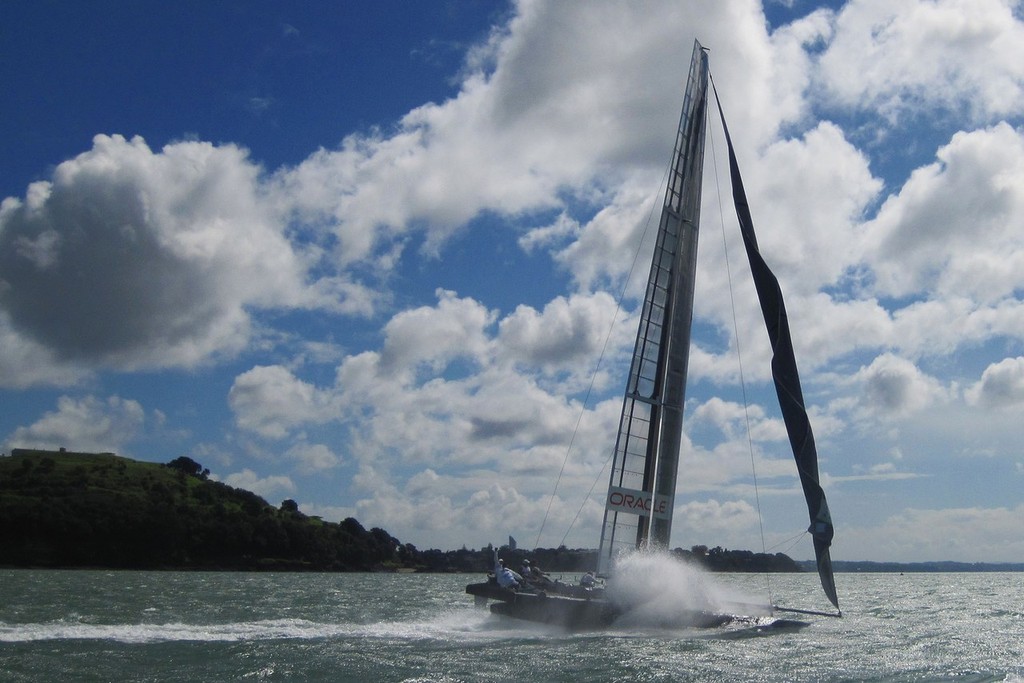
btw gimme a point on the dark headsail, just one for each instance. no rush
(787, 380)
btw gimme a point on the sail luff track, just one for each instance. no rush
(786, 378)
(641, 492)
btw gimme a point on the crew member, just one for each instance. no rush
(506, 577)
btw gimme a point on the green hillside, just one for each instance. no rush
(63, 509)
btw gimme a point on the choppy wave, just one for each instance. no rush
(151, 633)
(468, 624)
(139, 626)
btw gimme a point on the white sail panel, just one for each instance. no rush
(637, 502)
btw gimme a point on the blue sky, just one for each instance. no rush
(366, 256)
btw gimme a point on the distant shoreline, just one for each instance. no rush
(852, 567)
(64, 509)
(868, 567)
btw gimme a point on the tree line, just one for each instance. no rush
(64, 509)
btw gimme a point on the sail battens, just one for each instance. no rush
(641, 398)
(657, 377)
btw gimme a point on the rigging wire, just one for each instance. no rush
(593, 379)
(791, 541)
(572, 439)
(739, 354)
(593, 486)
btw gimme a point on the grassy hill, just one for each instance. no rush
(64, 509)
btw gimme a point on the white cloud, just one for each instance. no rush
(713, 519)
(434, 336)
(884, 471)
(25, 363)
(445, 427)
(266, 487)
(313, 457)
(564, 227)
(967, 534)
(567, 333)
(88, 424)
(440, 391)
(605, 247)
(893, 388)
(513, 141)
(953, 229)
(900, 56)
(129, 258)
(808, 196)
(270, 400)
(733, 419)
(808, 216)
(1001, 385)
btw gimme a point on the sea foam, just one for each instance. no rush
(655, 587)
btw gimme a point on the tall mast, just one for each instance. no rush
(641, 490)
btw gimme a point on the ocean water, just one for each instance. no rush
(179, 626)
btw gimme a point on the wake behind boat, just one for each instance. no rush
(641, 490)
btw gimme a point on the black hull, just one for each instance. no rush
(571, 607)
(575, 614)
(597, 613)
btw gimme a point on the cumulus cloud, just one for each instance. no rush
(714, 518)
(808, 217)
(1001, 385)
(511, 142)
(567, 332)
(89, 424)
(893, 387)
(267, 487)
(731, 419)
(884, 471)
(965, 54)
(455, 328)
(961, 533)
(953, 228)
(131, 258)
(25, 363)
(440, 389)
(270, 400)
(429, 437)
(313, 457)
(809, 195)
(565, 117)
(431, 505)
(497, 416)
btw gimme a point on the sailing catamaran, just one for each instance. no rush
(641, 490)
